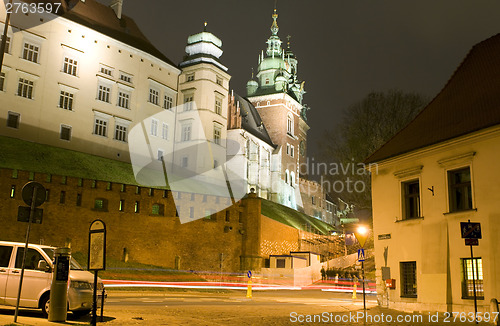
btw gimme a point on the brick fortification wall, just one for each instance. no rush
(146, 238)
(241, 234)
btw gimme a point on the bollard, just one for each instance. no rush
(249, 289)
(494, 309)
(354, 291)
(58, 306)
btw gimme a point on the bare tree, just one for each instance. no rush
(365, 127)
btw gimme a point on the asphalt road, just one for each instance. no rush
(303, 307)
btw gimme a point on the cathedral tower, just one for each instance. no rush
(277, 93)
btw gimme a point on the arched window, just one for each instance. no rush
(292, 179)
(289, 124)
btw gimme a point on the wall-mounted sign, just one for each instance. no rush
(384, 236)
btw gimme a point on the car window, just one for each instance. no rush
(74, 265)
(32, 258)
(5, 252)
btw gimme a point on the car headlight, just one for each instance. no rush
(80, 285)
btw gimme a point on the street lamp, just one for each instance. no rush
(361, 234)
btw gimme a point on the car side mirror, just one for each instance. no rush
(43, 266)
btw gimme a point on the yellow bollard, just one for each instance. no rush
(249, 289)
(354, 291)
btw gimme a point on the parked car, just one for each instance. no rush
(38, 278)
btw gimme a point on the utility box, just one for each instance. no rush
(390, 283)
(58, 304)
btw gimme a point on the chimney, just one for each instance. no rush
(117, 6)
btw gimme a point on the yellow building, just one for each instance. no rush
(439, 171)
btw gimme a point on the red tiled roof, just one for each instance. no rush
(469, 102)
(103, 19)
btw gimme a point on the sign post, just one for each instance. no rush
(361, 235)
(249, 286)
(97, 258)
(33, 195)
(471, 232)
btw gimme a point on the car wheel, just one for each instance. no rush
(44, 304)
(80, 313)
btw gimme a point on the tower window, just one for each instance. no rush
(289, 125)
(218, 106)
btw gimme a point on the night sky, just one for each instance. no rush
(345, 48)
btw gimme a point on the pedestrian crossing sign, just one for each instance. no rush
(361, 254)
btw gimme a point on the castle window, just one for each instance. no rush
(125, 77)
(2, 81)
(218, 105)
(25, 88)
(13, 120)
(136, 207)
(66, 100)
(190, 77)
(31, 52)
(289, 125)
(188, 102)
(168, 102)
(78, 200)
(217, 134)
(62, 197)
(70, 66)
(154, 127)
(186, 132)
(120, 132)
(157, 209)
(219, 80)
(124, 99)
(105, 70)
(100, 204)
(100, 127)
(7, 44)
(164, 131)
(65, 133)
(154, 96)
(121, 205)
(103, 93)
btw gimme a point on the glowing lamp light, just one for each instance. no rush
(361, 235)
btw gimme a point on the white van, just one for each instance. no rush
(38, 277)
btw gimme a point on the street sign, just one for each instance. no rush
(29, 189)
(471, 242)
(470, 230)
(249, 274)
(23, 214)
(97, 246)
(361, 254)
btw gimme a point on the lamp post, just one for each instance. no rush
(361, 234)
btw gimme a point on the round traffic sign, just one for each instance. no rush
(28, 191)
